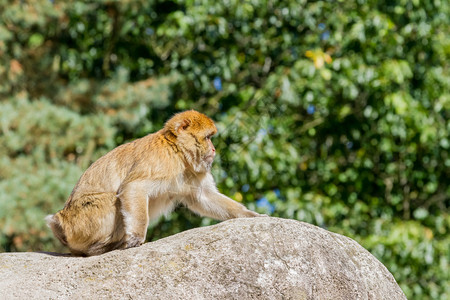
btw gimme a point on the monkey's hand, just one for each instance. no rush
(251, 213)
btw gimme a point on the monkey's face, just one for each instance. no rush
(199, 139)
(194, 131)
(210, 151)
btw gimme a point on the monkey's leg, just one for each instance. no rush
(93, 224)
(218, 206)
(134, 206)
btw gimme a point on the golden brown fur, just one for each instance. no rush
(113, 201)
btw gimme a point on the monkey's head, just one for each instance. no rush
(192, 132)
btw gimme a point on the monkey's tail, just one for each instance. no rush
(55, 225)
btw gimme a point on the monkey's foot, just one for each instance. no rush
(134, 241)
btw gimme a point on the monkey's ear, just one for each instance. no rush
(182, 125)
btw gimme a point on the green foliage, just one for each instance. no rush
(333, 113)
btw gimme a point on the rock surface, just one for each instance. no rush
(259, 258)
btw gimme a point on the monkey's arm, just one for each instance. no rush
(209, 202)
(133, 198)
(218, 206)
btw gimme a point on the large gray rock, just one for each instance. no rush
(259, 258)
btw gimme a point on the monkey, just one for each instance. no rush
(114, 200)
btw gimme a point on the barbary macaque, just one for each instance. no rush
(116, 197)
